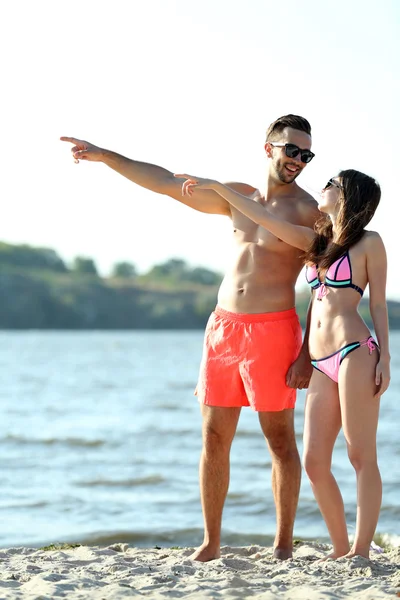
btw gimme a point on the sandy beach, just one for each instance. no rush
(121, 571)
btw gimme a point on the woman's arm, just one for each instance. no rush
(295, 235)
(377, 272)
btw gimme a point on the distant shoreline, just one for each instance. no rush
(40, 291)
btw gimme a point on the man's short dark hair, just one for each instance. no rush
(293, 121)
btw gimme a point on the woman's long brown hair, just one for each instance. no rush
(359, 199)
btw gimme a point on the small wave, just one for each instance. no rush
(246, 433)
(149, 480)
(263, 464)
(389, 539)
(181, 385)
(183, 538)
(141, 539)
(23, 505)
(237, 497)
(72, 441)
(308, 510)
(390, 510)
(175, 537)
(105, 385)
(163, 429)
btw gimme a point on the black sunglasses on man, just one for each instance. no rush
(291, 151)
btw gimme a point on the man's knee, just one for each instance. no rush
(219, 426)
(283, 452)
(282, 445)
(278, 429)
(214, 437)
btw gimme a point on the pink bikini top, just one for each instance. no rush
(338, 276)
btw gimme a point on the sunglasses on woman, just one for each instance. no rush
(334, 183)
(291, 151)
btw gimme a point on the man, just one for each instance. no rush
(252, 351)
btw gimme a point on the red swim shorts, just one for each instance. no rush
(246, 358)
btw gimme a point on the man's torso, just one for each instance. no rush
(264, 269)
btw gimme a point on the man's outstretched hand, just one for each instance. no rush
(82, 150)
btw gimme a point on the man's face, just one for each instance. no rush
(287, 169)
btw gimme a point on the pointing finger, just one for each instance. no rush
(70, 139)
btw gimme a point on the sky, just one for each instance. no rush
(192, 86)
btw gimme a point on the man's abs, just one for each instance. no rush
(261, 279)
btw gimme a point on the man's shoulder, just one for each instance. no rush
(242, 188)
(308, 207)
(306, 198)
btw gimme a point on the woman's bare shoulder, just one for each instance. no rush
(371, 241)
(371, 237)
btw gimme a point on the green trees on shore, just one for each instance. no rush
(40, 291)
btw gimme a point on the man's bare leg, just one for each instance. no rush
(278, 429)
(219, 427)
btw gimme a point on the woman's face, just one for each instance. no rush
(330, 194)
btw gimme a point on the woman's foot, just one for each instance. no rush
(354, 553)
(332, 556)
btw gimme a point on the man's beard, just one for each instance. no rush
(283, 175)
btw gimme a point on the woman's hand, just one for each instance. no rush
(382, 377)
(192, 182)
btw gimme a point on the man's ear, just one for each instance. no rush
(268, 149)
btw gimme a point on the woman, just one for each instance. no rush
(351, 371)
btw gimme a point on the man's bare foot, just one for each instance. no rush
(205, 553)
(283, 553)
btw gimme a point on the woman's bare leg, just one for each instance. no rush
(321, 428)
(360, 421)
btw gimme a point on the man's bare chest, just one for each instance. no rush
(247, 231)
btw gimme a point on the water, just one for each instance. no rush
(100, 441)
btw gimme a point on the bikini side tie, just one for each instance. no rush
(370, 342)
